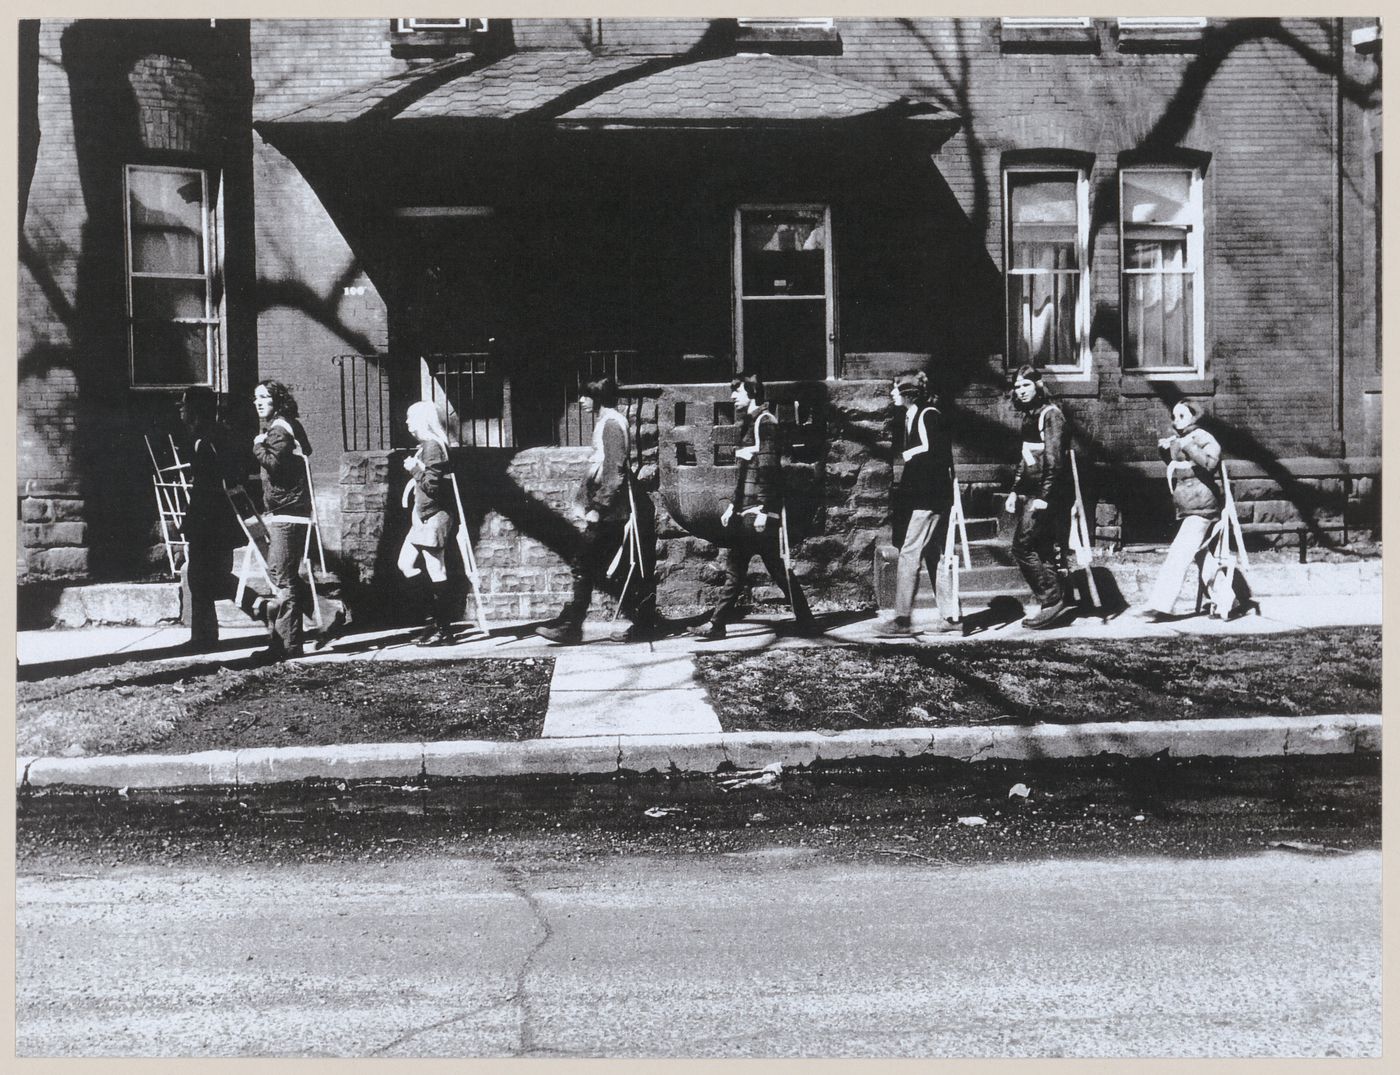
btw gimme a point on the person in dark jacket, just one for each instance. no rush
(281, 450)
(1041, 497)
(1192, 456)
(618, 528)
(434, 516)
(754, 516)
(923, 441)
(210, 527)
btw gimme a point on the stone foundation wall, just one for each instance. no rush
(53, 534)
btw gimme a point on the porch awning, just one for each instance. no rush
(582, 90)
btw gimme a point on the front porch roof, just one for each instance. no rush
(579, 89)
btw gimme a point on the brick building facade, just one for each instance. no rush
(1150, 209)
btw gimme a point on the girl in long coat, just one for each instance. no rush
(434, 516)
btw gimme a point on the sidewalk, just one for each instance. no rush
(639, 706)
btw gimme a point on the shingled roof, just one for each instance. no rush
(578, 88)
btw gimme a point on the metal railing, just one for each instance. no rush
(475, 397)
(364, 395)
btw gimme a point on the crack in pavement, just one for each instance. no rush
(518, 998)
(408, 1036)
(985, 748)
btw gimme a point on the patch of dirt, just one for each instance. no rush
(152, 707)
(1331, 670)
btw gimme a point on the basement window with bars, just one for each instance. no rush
(1047, 292)
(1161, 229)
(174, 324)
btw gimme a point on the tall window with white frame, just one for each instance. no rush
(1163, 300)
(1047, 292)
(174, 322)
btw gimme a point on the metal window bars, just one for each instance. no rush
(474, 396)
(364, 393)
(172, 489)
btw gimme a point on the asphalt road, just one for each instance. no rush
(1118, 910)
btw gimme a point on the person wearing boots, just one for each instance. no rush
(610, 504)
(433, 517)
(754, 518)
(281, 450)
(924, 441)
(1040, 497)
(210, 527)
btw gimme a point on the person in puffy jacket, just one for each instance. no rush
(1041, 496)
(1192, 457)
(281, 450)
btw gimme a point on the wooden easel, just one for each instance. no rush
(1080, 544)
(464, 546)
(259, 544)
(632, 547)
(172, 487)
(1226, 546)
(956, 535)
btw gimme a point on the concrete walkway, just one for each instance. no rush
(604, 688)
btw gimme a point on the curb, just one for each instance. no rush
(1237, 737)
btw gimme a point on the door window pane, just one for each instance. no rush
(784, 252)
(783, 314)
(785, 341)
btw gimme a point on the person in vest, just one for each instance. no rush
(281, 450)
(434, 517)
(1041, 496)
(755, 514)
(210, 528)
(609, 502)
(923, 440)
(1192, 457)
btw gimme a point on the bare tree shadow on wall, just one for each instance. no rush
(102, 426)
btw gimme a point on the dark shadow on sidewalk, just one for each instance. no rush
(1001, 612)
(32, 672)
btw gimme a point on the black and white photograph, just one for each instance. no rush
(654, 537)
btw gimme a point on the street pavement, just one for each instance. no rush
(772, 952)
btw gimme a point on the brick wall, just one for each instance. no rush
(1280, 319)
(315, 299)
(1270, 260)
(108, 94)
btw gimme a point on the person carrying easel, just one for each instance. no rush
(1041, 498)
(924, 441)
(756, 518)
(610, 522)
